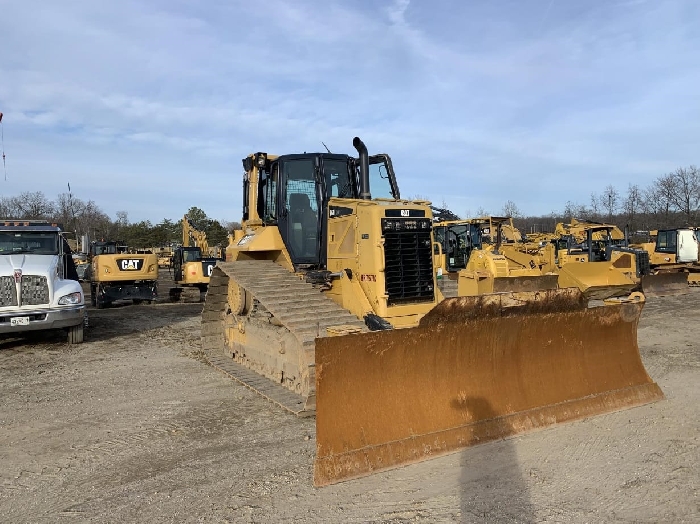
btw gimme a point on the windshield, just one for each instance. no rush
(337, 176)
(379, 184)
(38, 243)
(191, 255)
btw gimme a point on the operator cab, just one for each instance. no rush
(294, 190)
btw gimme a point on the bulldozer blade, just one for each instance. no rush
(475, 369)
(524, 283)
(665, 284)
(596, 280)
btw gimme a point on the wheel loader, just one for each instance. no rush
(327, 305)
(115, 274)
(674, 259)
(191, 264)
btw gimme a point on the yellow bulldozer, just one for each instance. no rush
(597, 257)
(674, 258)
(191, 264)
(327, 305)
(479, 256)
(116, 274)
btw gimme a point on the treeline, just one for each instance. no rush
(670, 201)
(86, 217)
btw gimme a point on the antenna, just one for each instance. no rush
(2, 134)
(324, 145)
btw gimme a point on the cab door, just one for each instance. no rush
(299, 218)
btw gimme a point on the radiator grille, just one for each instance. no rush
(35, 290)
(8, 292)
(408, 260)
(643, 267)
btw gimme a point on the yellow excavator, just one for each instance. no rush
(327, 305)
(115, 274)
(191, 264)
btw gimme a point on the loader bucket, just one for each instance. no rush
(664, 284)
(525, 283)
(475, 369)
(596, 280)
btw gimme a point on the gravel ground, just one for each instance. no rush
(133, 426)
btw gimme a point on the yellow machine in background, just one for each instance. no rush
(329, 292)
(191, 264)
(115, 274)
(674, 258)
(478, 256)
(165, 255)
(604, 261)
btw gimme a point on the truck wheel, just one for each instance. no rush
(76, 334)
(93, 295)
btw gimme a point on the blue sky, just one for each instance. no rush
(149, 107)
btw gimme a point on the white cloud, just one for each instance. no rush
(536, 102)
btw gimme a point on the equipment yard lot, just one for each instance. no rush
(133, 426)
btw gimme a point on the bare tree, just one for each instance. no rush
(511, 210)
(632, 205)
(684, 192)
(610, 201)
(481, 212)
(595, 206)
(32, 205)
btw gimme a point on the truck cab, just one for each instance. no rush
(39, 288)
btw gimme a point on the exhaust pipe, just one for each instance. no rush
(364, 168)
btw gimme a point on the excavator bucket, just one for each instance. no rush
(475, 369)
(524, 283)
(665, 284)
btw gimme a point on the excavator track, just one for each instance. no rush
(282, 301)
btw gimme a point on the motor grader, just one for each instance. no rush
(327, 305)
(115, 274)
(191, 264)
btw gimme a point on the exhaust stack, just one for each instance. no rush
(364, 168)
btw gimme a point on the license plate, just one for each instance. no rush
(19, 321)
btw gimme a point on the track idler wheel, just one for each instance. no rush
(239, 300)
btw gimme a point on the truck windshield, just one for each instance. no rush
(37, 243)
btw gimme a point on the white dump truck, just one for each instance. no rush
(39, 287)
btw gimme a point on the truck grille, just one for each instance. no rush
(408, 260)
(8, 292)
(35, 290)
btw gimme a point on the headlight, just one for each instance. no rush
(71, 299)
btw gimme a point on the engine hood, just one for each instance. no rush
(29, 264)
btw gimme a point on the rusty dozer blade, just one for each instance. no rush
(524, 283)
(475, 369)
(665, 284)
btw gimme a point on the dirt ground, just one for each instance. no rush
(133, 426)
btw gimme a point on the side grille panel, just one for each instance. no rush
(35, 290)
(8, 292)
